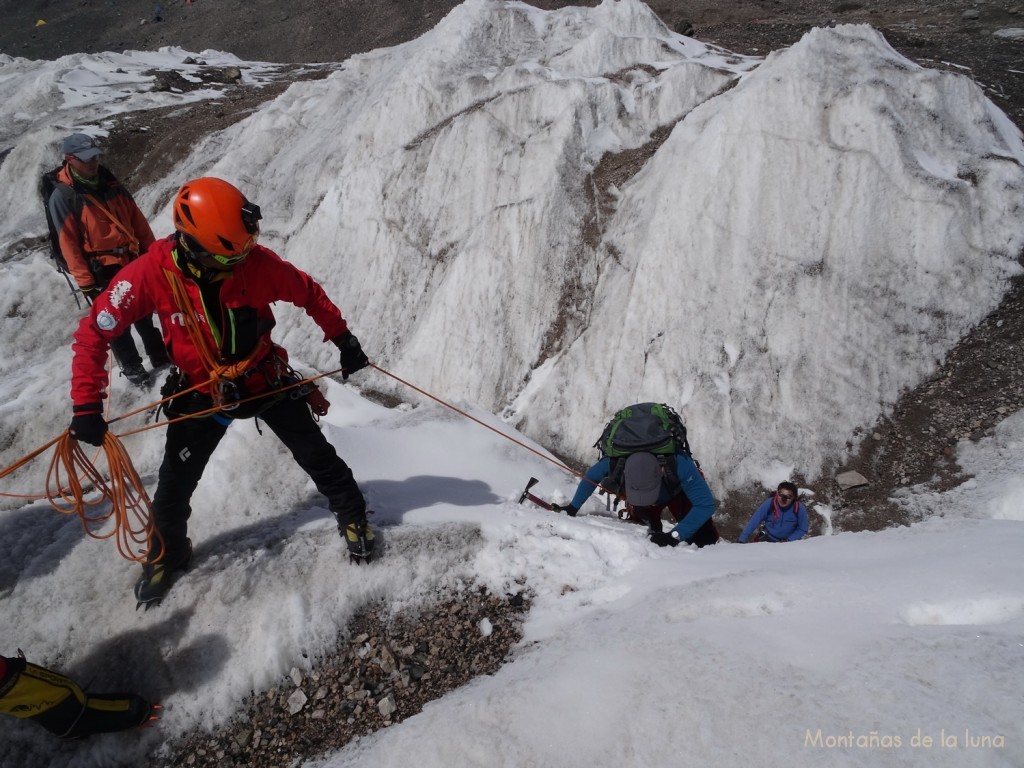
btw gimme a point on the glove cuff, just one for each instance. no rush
(88, 408)
(342, 339)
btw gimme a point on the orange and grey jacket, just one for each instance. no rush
(85, 214)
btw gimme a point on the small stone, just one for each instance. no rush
(296, 702)
(387, 706)
(296, 676)
(416, 671)
(851, 479)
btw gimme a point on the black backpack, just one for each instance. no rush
(652, 427)
(47, 183)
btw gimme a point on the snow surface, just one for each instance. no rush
(816, 232)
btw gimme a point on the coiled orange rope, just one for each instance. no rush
(120, 507)
(123, 498)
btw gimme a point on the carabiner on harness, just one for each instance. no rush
(227, 395)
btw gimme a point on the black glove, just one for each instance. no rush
(569, 509)
(352, 356)
(91, 292)
(663, 539)
(88, 424)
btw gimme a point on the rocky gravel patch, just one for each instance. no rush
(384, 671)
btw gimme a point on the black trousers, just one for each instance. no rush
(679, 506)
(191, 442)
(126, 353)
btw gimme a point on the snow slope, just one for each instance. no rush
(817, 230)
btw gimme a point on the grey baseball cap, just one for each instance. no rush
(643, 479)
(82, 146)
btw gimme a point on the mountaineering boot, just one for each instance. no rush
(159, 364)
(157, 579)
(137, 375)
(359, 538)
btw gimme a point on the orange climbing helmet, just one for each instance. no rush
(213, 216)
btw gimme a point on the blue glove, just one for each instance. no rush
(88, 424)
(352, 356)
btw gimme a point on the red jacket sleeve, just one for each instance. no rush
(296, 287)
(112, 312)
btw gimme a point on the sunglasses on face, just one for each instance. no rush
(785, 497)
(221, 259)
(229, 261)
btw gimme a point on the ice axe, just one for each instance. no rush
(527, 495)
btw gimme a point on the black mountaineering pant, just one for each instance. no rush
(191, 442)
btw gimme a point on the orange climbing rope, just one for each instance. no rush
(122, 498)
(220, 375)
(119, 507)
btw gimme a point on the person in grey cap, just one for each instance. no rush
(651, 484)
(101, 229)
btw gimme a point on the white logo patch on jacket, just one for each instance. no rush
(106, 321)
(118, 292)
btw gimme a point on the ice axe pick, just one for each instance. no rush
(527, 495)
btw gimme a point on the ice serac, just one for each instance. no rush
(824, 224)
(823, 232)
(439, 187)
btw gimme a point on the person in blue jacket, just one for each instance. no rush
(651, 484)
(781, 517)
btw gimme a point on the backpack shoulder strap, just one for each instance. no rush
(133, 242)
(616, 469)
(670, 473)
